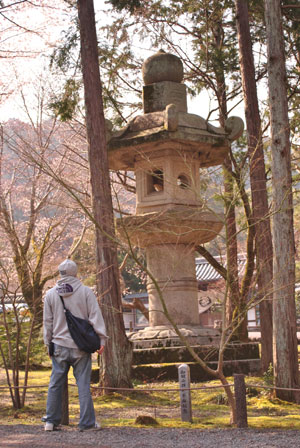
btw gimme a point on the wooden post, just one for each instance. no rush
(240, 400)
(185, 393)
(65, 404)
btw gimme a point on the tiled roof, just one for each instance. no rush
(136, 295)
(16, 299)
(205, 272)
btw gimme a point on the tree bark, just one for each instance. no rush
(284, 312)
(260, 208)
(234, 304)
(115, 366)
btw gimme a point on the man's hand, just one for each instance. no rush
(101, 350)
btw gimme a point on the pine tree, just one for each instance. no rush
(284, 310)
(116, 363)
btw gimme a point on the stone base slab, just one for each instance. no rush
(166, 372)
(209, 353)
(164, 336)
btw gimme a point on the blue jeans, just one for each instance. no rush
(62, 359)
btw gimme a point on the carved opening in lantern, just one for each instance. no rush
(183, 181)
(155, 182)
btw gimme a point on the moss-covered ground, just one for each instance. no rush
(209, 406)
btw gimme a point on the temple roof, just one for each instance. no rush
(205, 272)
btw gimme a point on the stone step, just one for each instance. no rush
(175, 342)
(156, 355)
(169, 372)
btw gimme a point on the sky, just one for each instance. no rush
(28, 49)
(25, 50)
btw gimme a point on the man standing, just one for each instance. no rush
(82, 302)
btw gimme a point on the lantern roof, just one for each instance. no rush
(166, 122)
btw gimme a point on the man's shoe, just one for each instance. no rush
(96, 427)
(49, 426)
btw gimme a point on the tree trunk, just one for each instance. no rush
(231, 244)
(284, 312)
(234, 303)
(32, 290)
(116, 363)
(260, 209)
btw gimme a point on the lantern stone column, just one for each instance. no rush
(173, 267)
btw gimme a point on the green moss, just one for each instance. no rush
(121, 410)
(286, 422)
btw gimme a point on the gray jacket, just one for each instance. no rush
(81, 301)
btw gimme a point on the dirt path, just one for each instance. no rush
(35, 437)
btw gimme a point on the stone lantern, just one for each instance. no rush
(165, 147)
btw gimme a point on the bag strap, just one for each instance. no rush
(62, 301)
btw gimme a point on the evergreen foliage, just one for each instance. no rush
(65, 106)
(130, 5)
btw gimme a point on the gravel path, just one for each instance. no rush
(35, 436)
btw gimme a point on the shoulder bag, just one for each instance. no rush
(82, 332)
